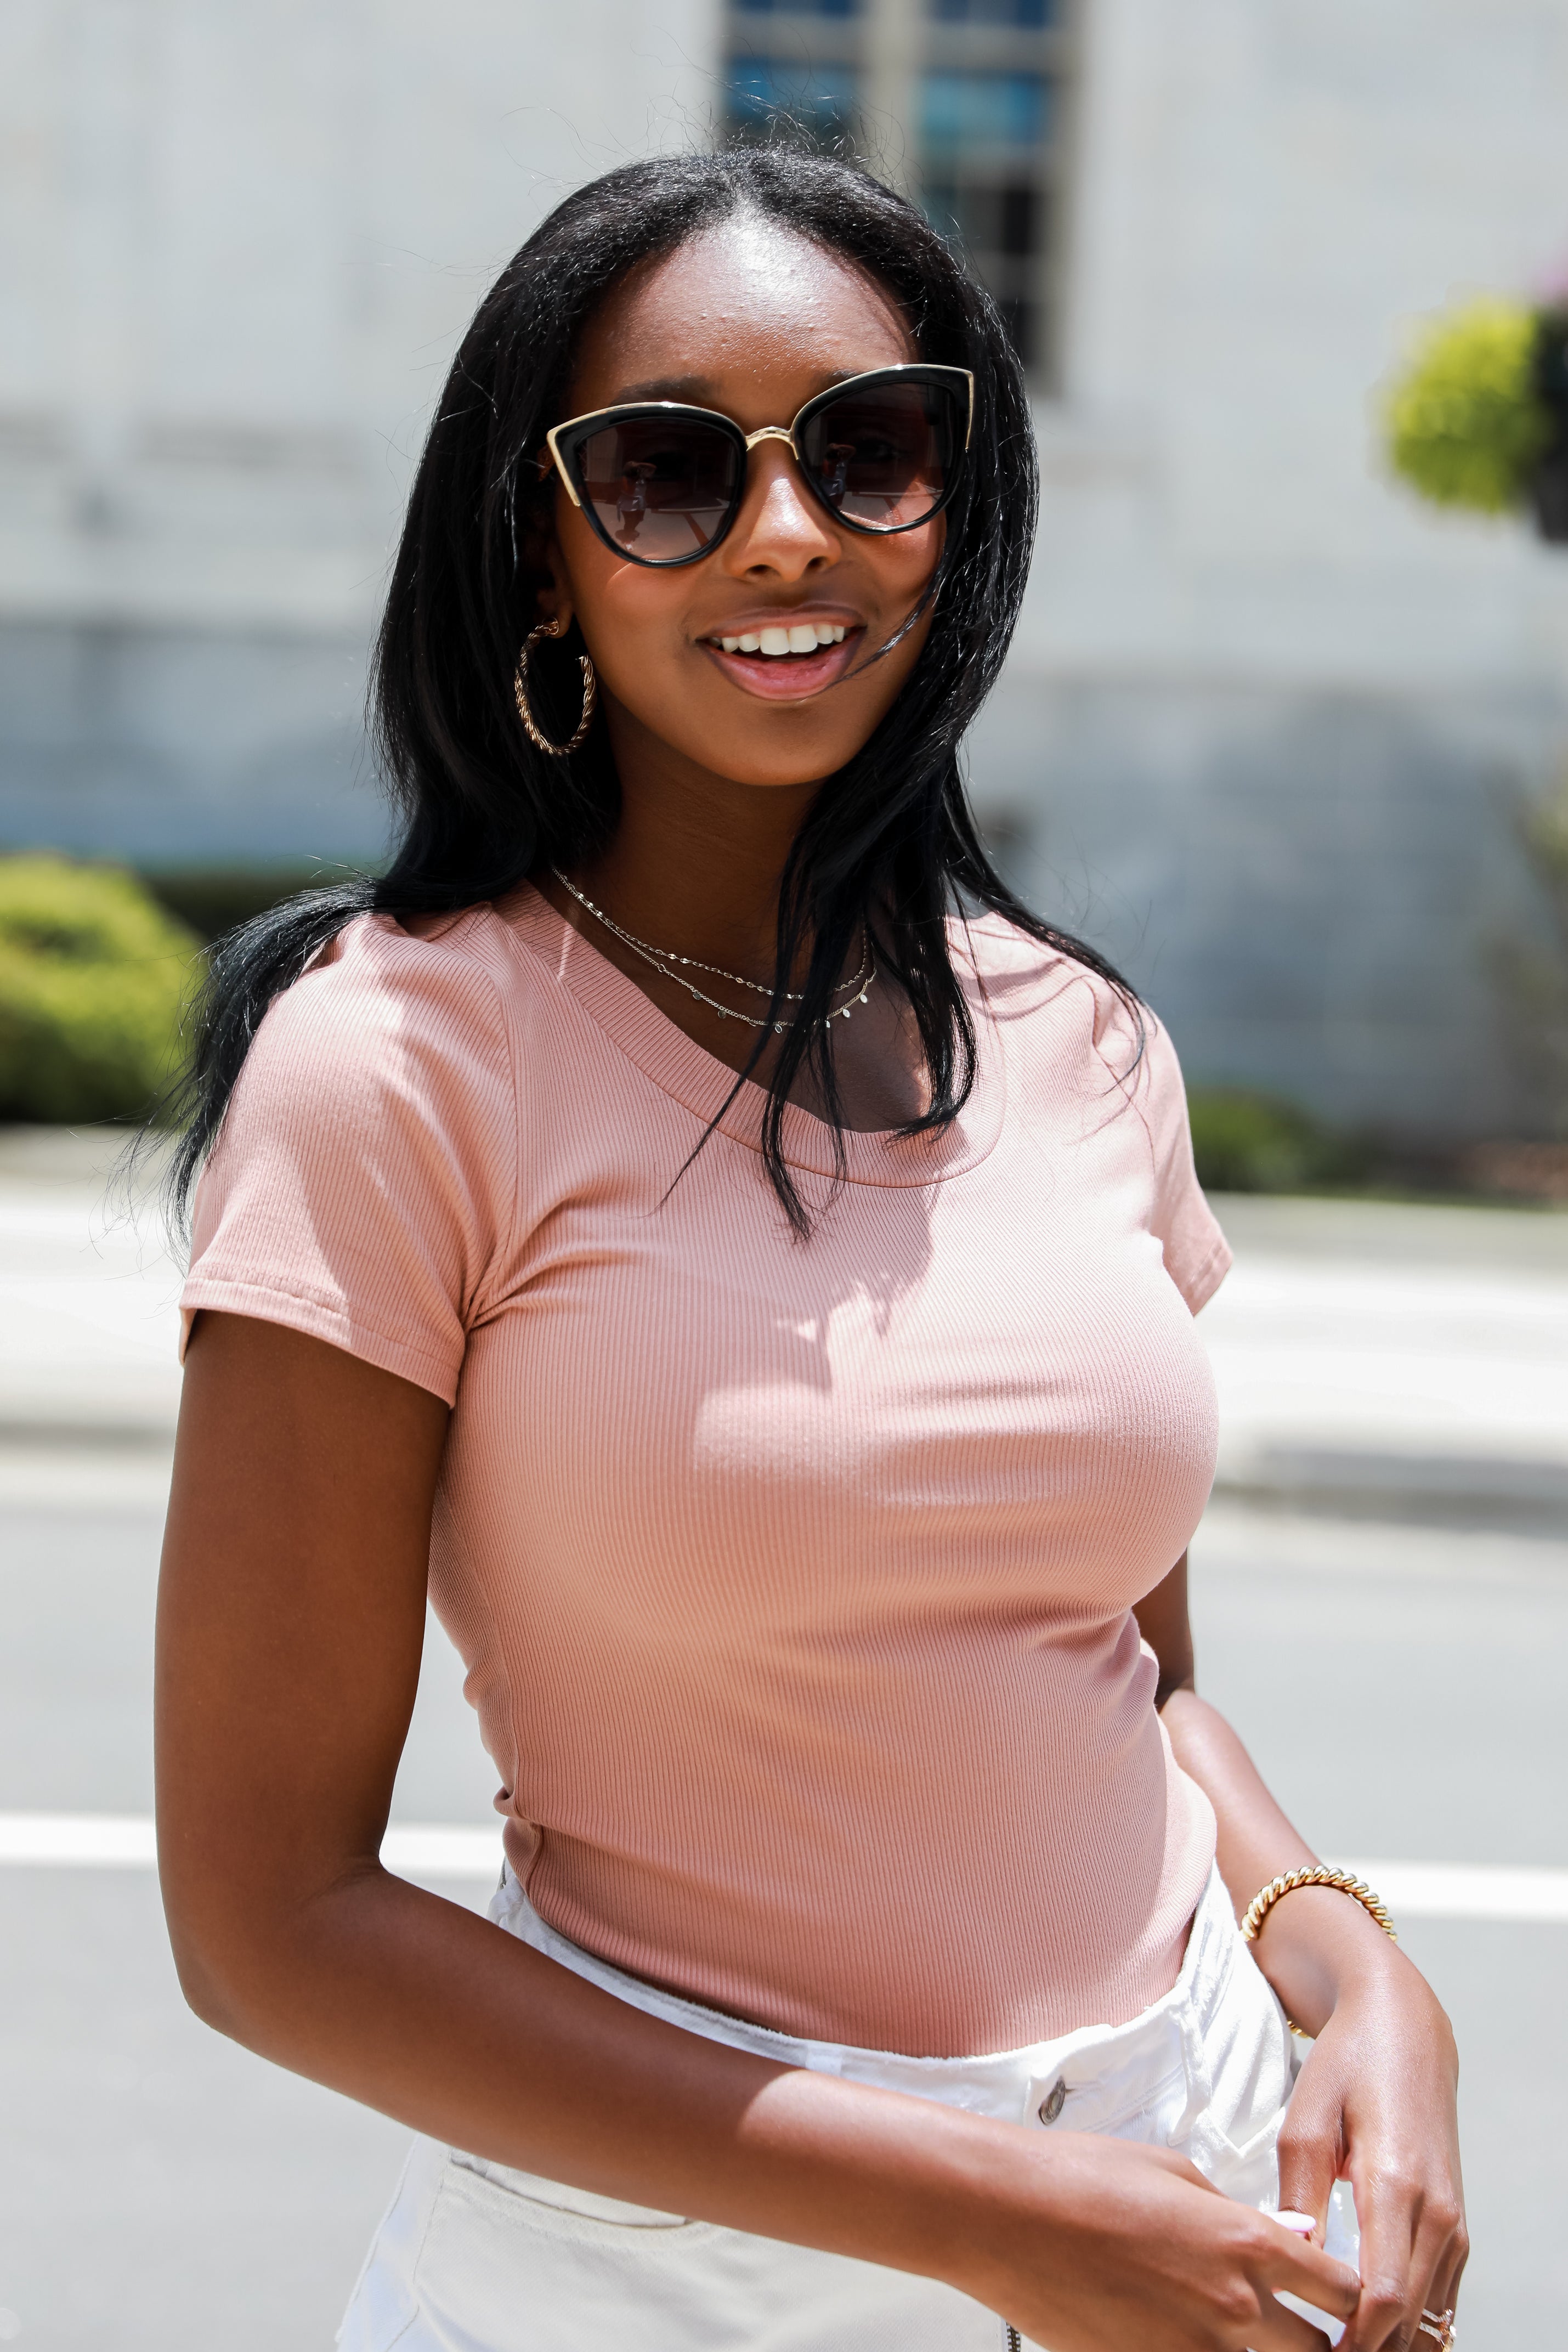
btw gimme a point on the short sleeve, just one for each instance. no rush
(1197, 1253)
(362, 1187)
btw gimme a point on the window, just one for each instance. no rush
(823, 97)
(796, 8)
(981, 110)
(1001, 219)
(972, 93)
(1029, 14)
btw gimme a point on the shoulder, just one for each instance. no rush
(1095, 1059)
(387, 1006)
(392, 1051)
(363, 1183)
(379, 973)
(1017, 976)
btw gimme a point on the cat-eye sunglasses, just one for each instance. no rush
(662, 483)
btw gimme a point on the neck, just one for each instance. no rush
(696, 859)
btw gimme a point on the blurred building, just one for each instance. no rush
(1265, 716)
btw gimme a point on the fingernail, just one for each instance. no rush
(1302, 2223)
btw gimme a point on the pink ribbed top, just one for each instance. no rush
(793, 1580)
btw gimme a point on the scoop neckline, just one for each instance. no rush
(699, 1081)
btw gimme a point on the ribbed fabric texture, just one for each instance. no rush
(793, 1581)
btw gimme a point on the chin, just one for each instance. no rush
(768, 759)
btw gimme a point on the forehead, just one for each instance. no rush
(748, 317)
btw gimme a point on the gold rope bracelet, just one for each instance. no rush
(1263, 1901)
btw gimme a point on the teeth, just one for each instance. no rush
(804, 637)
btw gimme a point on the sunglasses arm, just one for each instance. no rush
(560, 465)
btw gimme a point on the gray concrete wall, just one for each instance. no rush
(1308, 887)
(175, 746)
(238, 243)
(1267, 715)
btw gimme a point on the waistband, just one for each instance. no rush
(1109, 2071)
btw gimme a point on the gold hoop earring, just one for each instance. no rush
(535, 733)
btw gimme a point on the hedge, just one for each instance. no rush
(94, 980)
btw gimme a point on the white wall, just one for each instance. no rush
(1265, 711)
(238, 245)
(1269, 192)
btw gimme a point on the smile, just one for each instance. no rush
(804, 638)
(786, 661)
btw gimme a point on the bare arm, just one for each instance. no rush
(1377, 2099)
(290, 1621)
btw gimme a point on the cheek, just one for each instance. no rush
(628, 614)
(906, 561)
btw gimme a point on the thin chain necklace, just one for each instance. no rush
(662, 958)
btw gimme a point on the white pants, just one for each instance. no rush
(475, 2257)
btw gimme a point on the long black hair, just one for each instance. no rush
(889, 841)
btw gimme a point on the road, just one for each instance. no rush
(1398, 1677)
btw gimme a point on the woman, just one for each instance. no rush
(699, 1222)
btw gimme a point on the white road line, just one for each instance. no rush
(1467, 1890)
(127, 1842)
(1413, 1890)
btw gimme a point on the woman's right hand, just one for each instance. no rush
(1101, 2245)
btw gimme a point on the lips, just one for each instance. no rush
(785, 677)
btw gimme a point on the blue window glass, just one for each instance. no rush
(797, 7)
(821, 96)
(1029, 14)
(983, 109)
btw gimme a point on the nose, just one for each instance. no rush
(780, 530)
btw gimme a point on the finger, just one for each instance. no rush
(1388, 2307)
(1443, 2286)
(1295, 2265)
(1310, 2156)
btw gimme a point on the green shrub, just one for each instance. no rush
(1246, 1142)
(212, 899)
(1465, 421)
(94, 976)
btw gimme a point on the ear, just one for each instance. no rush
(541, 557)
(555, 605)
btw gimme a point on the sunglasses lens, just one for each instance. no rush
(884, 454)
(661, 488)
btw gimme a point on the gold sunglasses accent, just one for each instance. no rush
(784, 432)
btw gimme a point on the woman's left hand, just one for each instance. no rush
(1376, 2103)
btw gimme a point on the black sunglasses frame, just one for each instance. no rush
(576, 431)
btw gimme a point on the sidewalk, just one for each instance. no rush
(90, 1385)
(1372, 1358)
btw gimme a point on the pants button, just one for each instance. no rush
(1051, 2106)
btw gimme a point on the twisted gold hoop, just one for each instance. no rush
(535, 733)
